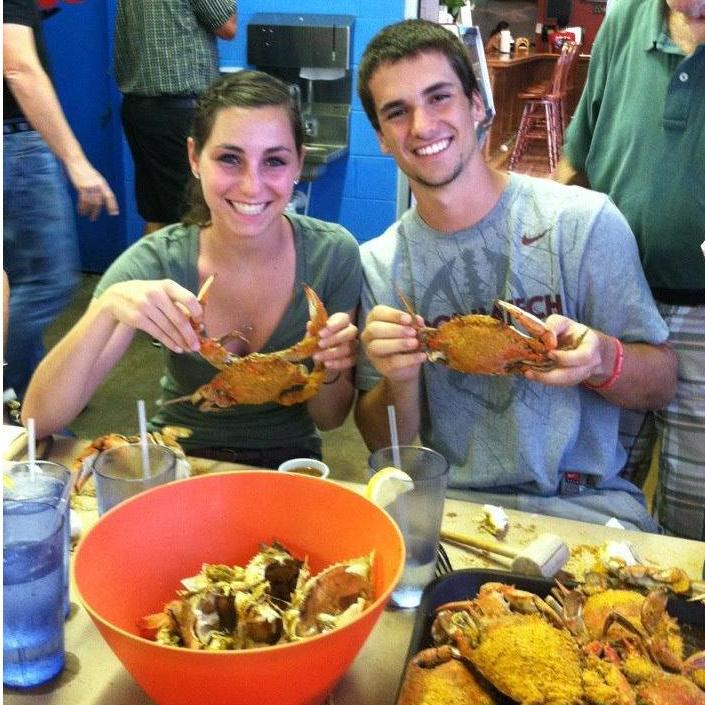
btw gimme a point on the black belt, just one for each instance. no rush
(261, 457)
(679, 297)
(9, 127)
(173, 101)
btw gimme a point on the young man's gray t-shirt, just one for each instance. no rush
(547, 248)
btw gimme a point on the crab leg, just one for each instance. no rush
(435, 655)
(312, 382)
(535, 326)
(201, 296)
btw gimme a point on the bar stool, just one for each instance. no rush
(544, 115)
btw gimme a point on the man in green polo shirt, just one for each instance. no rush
(638, 134)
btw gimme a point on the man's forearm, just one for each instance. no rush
(36, 96)
(648, 379)
(371, 414)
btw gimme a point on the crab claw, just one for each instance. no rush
(534, 326)
(318, 317)
(694, 667)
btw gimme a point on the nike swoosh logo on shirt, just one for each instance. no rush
(530, 240)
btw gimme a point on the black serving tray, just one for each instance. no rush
(464, 584)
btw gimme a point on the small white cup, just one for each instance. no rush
(305, 466)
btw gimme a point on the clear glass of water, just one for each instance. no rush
(418, 513)
(33, 591)
(120, 472)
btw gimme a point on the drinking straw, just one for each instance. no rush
(394, 434)
(142, 418)
(32, 449)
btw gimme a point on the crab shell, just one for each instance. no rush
(330, 599)
(478, 344)
(279, 568)
(259, 378)
(441, 675)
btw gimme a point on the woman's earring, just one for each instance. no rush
(296, 181)
(196, 174)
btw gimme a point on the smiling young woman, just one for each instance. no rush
(245, 152)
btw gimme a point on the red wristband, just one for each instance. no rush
(616, 370)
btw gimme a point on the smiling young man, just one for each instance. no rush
(541, 441)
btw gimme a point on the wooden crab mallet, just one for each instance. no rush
(543, 557)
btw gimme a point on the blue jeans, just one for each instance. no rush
(40, 250)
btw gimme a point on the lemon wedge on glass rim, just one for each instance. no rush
(387, 484)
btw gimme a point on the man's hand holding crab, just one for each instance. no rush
(582, 354)
(392, 343)
(558, 351)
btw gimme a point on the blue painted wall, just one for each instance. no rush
(358, 191)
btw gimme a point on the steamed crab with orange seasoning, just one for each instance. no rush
(519, 645)
(259, 378)
(486, 345)
(538, 652)
(635, 632)
(614, 614)
(273, 599)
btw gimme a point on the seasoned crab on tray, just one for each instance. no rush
(553, 645)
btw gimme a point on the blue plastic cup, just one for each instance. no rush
(47, 482)
(33, 591)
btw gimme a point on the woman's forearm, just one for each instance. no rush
(330, 407)
(73, 369)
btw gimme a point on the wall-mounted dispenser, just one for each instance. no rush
(311, 53)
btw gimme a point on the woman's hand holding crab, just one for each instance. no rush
(159, 308)
(337, 343)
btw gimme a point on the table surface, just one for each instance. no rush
(94, 676)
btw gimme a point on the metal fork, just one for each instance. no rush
(443, 564)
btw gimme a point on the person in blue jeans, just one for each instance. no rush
(40, 247)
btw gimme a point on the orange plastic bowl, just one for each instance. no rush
(131, 562)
